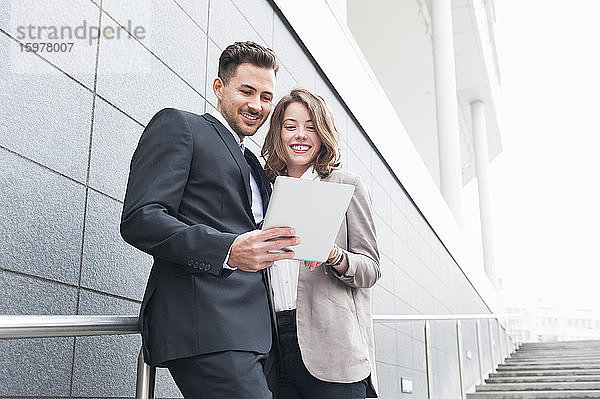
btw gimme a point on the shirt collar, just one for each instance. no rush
(218, 116)
(310, 174)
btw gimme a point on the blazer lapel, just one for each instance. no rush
(237, 155)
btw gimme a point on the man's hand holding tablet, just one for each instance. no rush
(258, 249)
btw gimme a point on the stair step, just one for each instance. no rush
(544, 344)
(594, 394)
(528, 345)
(589, 347)
(552, 359)
(551, 362)
(565, 348)
(503, 367)
(542, 352)
(554, 354)
(551, 378)
(540, 386)
(544, 373)
(562, 370)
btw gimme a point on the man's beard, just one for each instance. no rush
(235, 124)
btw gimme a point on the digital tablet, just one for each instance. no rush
(314, 208)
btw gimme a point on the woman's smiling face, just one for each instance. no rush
(300, 139)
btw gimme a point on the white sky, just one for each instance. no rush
(546, 193)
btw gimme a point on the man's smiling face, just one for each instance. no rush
(246, 100)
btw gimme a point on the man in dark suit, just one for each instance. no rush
(194, 200)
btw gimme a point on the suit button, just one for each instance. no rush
(207, 268)
(195, 265)
(190, 262)
(201, 265)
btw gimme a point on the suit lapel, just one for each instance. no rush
(261, 179)
(237, 155)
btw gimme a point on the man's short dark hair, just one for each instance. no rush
(245, 52)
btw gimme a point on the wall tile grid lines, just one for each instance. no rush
(78, 60)
(101, 359)
(401, 287)
(383, 301)
(25, 375)
(110, 264)
(31, 249)
(411, 264)
(109, 169)
(125, 70)
(197, 11)
(44, 124)
(385, 344)
(227, 24)
(30, 281)
(399, 247)
(354, 164)
(381, 202)
(418, 354)
(386, 268)
(427, 254)
(384, 237)
(164, 42)
(23, 372)
(260, 15)
(333, 101)
(381, 173)
(442, 295)
(411, 239)
(403, 345)
(359, 147)
(293, 55)
(386, 372)
(285, 83)
(212, 69)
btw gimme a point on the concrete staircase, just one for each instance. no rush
(546, 371)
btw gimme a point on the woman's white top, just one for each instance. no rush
(284, 273)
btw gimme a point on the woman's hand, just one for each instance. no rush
(313, 265)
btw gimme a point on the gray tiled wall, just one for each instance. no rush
(67, 133)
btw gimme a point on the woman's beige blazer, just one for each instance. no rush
(333, 315)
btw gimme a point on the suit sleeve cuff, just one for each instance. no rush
(225, 265)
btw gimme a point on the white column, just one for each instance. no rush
(483, 184)
(447, 105)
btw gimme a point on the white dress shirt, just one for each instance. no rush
(284, 273)
(257, 204)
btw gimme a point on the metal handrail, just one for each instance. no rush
(466, 316)
(42, 326)
(66, 326)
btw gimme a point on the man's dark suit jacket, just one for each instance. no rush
(187, 199)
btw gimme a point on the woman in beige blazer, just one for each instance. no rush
(324, 321)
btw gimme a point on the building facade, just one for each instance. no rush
(551, 324)
(70, 121)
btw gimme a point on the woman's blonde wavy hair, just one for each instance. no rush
(273, 150)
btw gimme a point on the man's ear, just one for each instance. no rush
(218, 87)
